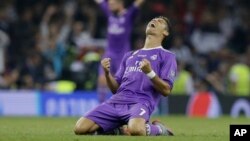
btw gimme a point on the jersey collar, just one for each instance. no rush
(158, 47)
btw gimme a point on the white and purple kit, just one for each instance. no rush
(136, 96)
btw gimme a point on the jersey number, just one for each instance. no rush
(142, 112)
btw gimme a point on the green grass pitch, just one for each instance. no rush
(61, 129)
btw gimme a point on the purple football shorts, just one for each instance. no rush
(110, 116)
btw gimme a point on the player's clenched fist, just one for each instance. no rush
(106, 64)
(145, 66)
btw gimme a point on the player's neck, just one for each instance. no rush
(152, 42)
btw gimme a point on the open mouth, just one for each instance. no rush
(152, 25)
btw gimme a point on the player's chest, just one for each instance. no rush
(135, 60)
(117, 25)
(117, 20)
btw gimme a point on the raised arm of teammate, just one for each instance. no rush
(138, 3)
(99, 1)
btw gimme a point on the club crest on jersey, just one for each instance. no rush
(172, 75)
(153, 57)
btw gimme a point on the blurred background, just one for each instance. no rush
(50, 52)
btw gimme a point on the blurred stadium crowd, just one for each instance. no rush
(45, 41)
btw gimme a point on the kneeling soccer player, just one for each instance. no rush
(143, 76)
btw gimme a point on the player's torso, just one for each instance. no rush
(119, 27)
(133, 78)
(119, 32)
(135, 86)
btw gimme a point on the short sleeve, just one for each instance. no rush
(121, 70)
(168, 70)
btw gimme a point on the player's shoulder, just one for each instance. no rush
(128, 54)
(133, 52)
(167, 52)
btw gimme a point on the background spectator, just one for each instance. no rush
(48, 41)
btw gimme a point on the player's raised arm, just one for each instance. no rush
(112, 83)
(103, 4)
(159, 84)
(138, 3)
(99, 1)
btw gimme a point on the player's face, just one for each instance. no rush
(114, 5)
(157, 26)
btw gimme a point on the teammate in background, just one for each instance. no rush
(143, 77)
(120, 23)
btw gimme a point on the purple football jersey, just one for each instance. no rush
(119, 30)
(135, 86)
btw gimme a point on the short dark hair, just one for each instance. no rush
(168, 27)
(166, 39)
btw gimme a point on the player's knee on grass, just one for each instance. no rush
(136, 130)
(80, 130)
(85, 126)
(136, 127)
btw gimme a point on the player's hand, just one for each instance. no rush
(99, 1)
(138, 3)
(106, 65)
(145, 66)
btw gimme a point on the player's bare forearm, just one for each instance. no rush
(111, 82)
(138, 3)
(161, 86)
